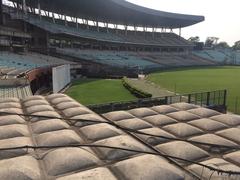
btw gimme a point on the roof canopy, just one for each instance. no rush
(116, 12)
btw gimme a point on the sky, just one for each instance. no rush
(222, 17)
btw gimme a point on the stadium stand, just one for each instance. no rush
(13, 65)
(55, 137)
(23, 74)
(175, 60)
(104, 46)
(113, 58)
(28, 60)
(144, 38)
(12, 37)
(54, 142)
(220, 56)
(213, 55)
(16, 92)
(12, 32)
(238, 56)
(142, 60)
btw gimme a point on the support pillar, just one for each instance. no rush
(18, 8)
(126, 29)
(153, 32)
(87, 24)
(144, 30)
(116, 28)
(24, 7)
(106, 26)
(39, 10)
(47, 40)
(1, 13)
(97, 26)
(65, 20)
(77, 22)
(135, 30)
(53, 17)
(180, 32)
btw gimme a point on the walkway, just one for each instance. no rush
(150, 87)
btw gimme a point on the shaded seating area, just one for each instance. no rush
(112, 58)
(103, 34)
(140, 60)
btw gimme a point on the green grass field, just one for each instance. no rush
(204, 79)
(95, 91)
(184, 81)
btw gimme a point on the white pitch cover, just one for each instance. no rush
(61, 77)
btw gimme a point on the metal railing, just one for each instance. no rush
(213, 99)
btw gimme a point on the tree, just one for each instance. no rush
(236, 45)
(222, 45)
(211, 41)
(194, 39)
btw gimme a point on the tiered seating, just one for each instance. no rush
(172, 60)
(57, 28)
(216, 55)
(113, 58)
(12, 65)
(12, 60)
(7, 31)
(28, 61)
(43, 60)
(15, 92)
(202, 54)
(220, 56)
(238, 57)
(142, 60)
(164, 39)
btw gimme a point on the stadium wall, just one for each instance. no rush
(61, 77)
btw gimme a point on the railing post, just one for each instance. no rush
(139, 103)
(219, 97)
(225, 98)
(112, 106)
(166, 100)
(208, 98)
(189, 98)
(211, 100)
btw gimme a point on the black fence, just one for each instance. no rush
(214, 100)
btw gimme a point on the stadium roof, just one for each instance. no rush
(41, 147)
(116, 12)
